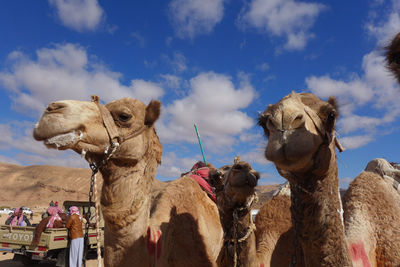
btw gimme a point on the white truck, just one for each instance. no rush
(53, 244)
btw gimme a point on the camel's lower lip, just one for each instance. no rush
(63, 140)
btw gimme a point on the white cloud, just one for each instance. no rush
(79, 15)
(263, 66)
(145, 90)
(256, 156)
(288, 18)
(172, 167)
(355, 89)
(214, 104)
(177, 62)
(375, 90)
(386, 29)
(139, 39)
(194, 17)
(352, 142)
(66, 72)
(171, 81)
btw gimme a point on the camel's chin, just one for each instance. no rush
(293, 164)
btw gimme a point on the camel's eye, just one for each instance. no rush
(331, 117)
(124, 117)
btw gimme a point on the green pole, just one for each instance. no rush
(201, 145)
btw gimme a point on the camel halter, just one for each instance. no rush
(111, 128)
(235, 239)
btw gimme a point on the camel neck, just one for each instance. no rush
(239, 230)
(126, 193)
(317, 217)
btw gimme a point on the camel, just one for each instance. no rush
(268, 242)
(147, 222)
(235, 191)
(301, 143)
(393, 57)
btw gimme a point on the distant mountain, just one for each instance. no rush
(36, 186)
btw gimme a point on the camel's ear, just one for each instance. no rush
(262, 121)
(332, 100)
(153, 111)
(215, 178)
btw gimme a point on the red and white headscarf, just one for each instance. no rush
(16, 221)
(75, 210)
(53, 211)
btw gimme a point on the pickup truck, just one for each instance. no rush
(53, 244)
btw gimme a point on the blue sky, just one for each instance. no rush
(212, 62)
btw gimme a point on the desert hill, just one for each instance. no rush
(36, 186)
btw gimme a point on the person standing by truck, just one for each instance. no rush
(18, 218)
(74, 226)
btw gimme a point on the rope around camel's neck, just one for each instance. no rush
(238, 227)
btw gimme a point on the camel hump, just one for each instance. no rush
(384, 169)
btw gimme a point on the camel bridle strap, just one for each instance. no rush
(110, 126)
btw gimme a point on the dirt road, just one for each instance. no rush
(6, 261)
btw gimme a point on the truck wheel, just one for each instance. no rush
(63, 258)
(25, 260)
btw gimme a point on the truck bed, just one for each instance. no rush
(19, 238)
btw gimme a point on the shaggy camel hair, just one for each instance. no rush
(268, 242)
(393, 57)
(147, 222)
(301, 143)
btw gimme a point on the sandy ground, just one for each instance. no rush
(6, 261)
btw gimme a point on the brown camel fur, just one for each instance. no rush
(393, 57)
(147, 222)
(268, 242)
(301, 143)
(235, 190)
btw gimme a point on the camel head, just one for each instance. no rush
(393, 56)
(300, 129)
(80, 126)
(236, 182)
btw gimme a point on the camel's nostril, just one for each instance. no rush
(55, 106)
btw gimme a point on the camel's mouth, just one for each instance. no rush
(246, 179)
(63, 141)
